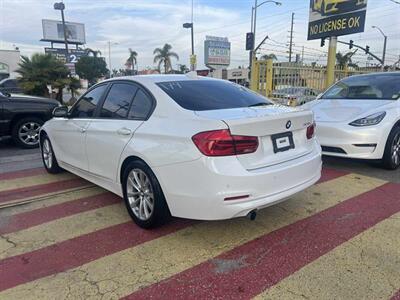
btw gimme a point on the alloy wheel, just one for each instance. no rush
(47, 154)
(140, 194)
(28, 133)
(396, 149)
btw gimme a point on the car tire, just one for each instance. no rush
(391, 156)
(143, 196)
(48, 157)
(25, 132)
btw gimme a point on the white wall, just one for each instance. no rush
(11, 58)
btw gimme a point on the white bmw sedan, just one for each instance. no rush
(359, 117)
(185, 146)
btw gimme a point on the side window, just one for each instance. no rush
(118, 101)
(87, 104)
(141, 106)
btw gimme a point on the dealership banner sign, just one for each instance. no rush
(61, 54)
(336, 17)
(217, 51)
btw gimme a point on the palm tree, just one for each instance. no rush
(42, 70)
(95, 53)
(343, 60)
(132, 60)
(163, 56)
(269, 56)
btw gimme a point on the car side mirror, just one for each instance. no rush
(60, 112)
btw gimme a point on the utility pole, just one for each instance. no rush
(291, 39)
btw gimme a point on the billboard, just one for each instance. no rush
(53, 32)
(336, 17)
(217, 51)
(73, 54)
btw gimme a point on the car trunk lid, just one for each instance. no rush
(281, 132)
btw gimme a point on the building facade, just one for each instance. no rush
(9, 60)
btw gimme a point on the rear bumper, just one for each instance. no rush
(353, 142)
(197, 189)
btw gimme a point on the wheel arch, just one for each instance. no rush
(20, 116)
(126, 162)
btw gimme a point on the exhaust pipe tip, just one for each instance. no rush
(252, 215)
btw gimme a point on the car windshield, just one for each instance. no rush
(385, 87)
(200, 95)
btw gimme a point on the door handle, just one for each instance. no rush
(124, 131)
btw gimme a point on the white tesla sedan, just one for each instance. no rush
(359, 117)
(185, 146)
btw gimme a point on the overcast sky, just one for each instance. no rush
(146, 24)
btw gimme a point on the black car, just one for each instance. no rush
(9, 86)
(21, 117)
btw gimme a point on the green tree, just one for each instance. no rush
(183, 69)
(132, 60)
(343, 60)
(91, 68)
(163, 56)
(269, 56)
(42, 70)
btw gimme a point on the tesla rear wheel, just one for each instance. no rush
(48, 157)
(143, 196)
(391, 157)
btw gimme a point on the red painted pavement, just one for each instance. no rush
(42, 215)
(259, 264)
(74, 252)
(23, 173)
(396, 296)
(78, 251)
(329, 174)
(41, 189)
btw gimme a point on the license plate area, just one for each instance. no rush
(282, 141)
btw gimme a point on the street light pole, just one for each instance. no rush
(60, 6)
(109, 55)
(384, 46)
(190, 25)
(254, 22)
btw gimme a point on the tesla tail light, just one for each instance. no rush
(223, 143)
(311, 131)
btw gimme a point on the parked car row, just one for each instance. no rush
(203, 148)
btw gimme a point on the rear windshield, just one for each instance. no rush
(385, 87)
(211, 94)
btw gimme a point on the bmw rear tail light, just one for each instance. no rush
(311, 131)
(223, 143)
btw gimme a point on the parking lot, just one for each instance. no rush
(62, 237)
